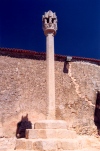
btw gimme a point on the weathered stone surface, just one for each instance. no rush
(49, 133)
(50, 76)
(86, 149)
(68, 144)
(23, 90)
(49, 20)
(78, 143)
(47, 145)
(3, 149)
(76, 95)
(7, 143)
(38, 144)
(51, 124)
(24, 144)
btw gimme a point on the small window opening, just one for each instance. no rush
(53, 20)
(97, 113)
(47, 20)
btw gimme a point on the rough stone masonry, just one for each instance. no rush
(23, 91)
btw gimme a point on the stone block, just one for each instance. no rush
(23, 144)
(48, 144)
(68, 144)
(51, 124)
(3, 149)
(49, 133)
(45, 145)
(20, 144)
(37, 145)
(64, 133)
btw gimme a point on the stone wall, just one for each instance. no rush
(23, 91)
(76, 94)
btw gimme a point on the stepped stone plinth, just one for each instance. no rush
(50, 129)
(48, 135)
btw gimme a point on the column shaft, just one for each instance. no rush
(50, 76)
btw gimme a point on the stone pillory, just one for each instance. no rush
(49, 20)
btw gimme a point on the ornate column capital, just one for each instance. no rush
(49, 20)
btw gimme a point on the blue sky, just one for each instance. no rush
(78, 26)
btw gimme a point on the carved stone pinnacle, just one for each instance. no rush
(49, 20)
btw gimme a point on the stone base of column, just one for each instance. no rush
(48, 135)
(53, 135)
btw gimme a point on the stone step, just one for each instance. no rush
(49, 133)
(85, 149)
(51, 124)
(81, 143)
(3, 149)
(50, 144)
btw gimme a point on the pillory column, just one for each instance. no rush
(49, 20)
